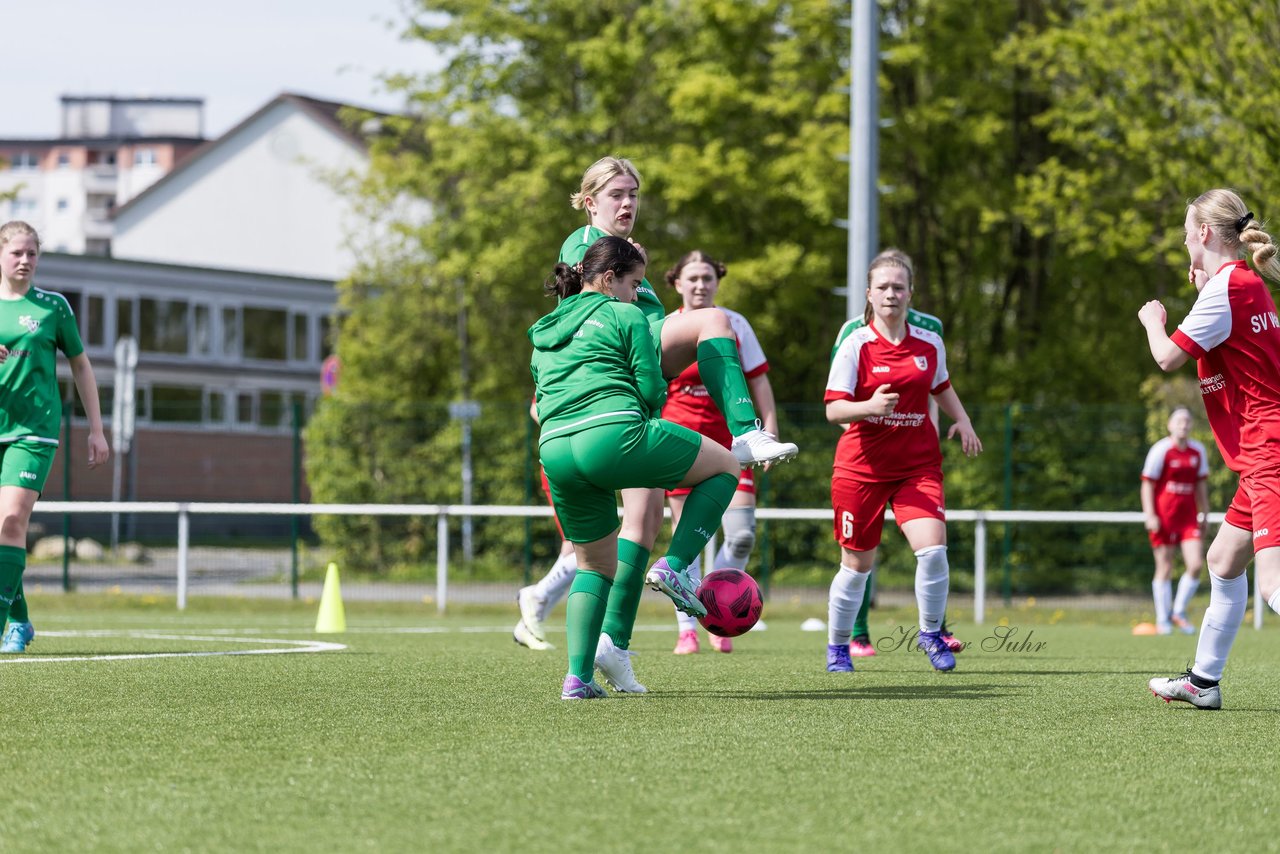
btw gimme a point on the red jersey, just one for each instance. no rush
(890, 447)
(688, 402)
(1233, 332)
(1175, 472)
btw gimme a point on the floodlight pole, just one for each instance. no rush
(864, 130)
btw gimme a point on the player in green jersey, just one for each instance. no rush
(599, 393)
(34, 325)
(610, 195)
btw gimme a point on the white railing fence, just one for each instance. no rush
(442, 513)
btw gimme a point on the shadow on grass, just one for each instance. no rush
(868, 692)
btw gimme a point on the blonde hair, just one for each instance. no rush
(1235, 225)
(13, 228)
(600, 173)
(890, 257)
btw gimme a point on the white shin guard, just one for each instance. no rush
(739, 525)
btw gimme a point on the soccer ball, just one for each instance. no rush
(733, 603)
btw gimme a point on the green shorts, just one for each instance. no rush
(26, 464)
(586, 469)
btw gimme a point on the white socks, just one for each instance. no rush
(932, 577)
(683, 620)
(555, 584)
(739, 526)
(1274, 602)
(847, 589)
(1162, 593)
(1228, 600)
(1187, 587)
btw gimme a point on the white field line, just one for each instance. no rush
(291, 646)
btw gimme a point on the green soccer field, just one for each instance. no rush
(430, 734)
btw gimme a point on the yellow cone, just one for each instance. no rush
(332, 619)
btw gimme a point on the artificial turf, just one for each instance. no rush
(440, 734)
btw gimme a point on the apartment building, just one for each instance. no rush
(108, 150)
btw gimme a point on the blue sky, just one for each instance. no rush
(236, 54)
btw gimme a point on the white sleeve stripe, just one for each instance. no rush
(749, 348)
(1209, 321)
(843, 375)
(1154, 465)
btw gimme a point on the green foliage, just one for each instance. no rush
(1035, 159)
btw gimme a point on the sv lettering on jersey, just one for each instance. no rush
(1264, 321)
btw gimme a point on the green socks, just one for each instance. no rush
(721, 369)
(860, 627)
(624, 598)
(18, 610)
(584, 612)
(701, 517)
(13, 561)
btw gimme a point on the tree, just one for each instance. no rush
(733, 113)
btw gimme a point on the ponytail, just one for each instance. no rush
(608, 254)
(565, 281)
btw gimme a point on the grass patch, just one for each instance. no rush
(439, 734)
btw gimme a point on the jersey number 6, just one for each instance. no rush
(846, 524)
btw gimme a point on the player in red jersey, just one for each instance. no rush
(881, 380)
(1175, 501)
(696, 277)
(1233, 333)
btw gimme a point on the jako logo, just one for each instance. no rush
(27, 475)
(1261, 533)
(32, 325)
(880, 369)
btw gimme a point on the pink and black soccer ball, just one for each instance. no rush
(733, 603)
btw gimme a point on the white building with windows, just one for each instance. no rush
(224, 359)
(109, 150)
(261, 197)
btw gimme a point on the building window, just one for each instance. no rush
(244, 408)
(271, 409)
(24, 207)
(124, 318)
(172, 404)
(95, 324)
(217, 407)
(202, 334)
(265, 333)
(144, 157)
(230, 333)
(301, 340)
(23, 160)
(327, 344)
(62, 204)
(64, 159)
(162, 326)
